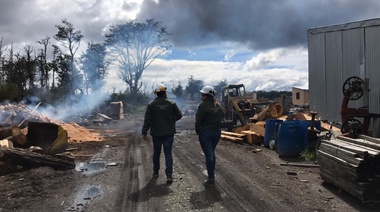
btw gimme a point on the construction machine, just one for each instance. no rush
(236, 106)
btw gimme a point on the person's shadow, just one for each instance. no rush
(150, 189)
(205, 199)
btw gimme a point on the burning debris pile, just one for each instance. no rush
(33, 139)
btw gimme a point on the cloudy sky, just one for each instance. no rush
(261, 43)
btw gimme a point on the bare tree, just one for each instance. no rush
(30, 70)
(134, 46)
(2, 63)
(44, 69)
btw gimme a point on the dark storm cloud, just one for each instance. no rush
(259, 24)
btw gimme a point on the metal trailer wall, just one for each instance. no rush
(336, 53)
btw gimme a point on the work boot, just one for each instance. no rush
(169, 180)
(155, 175)
(209, 183)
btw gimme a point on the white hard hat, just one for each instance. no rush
(208, 90)
(159, 88)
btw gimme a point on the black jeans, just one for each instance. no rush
(167, 142)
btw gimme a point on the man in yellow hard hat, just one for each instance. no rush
(160, 117)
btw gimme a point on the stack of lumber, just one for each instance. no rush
(235, 137)
(251, 134)
(352, 165)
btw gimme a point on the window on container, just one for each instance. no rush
(298, 95)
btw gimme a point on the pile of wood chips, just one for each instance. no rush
(77, 133)
(20, 114)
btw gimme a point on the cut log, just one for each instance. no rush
(19, 140)
(5, 143)
(6, 132)
(31, 159)
(274, 110)
(253, 137)
(257, 128)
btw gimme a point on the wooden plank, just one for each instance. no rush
(346, 155)
(361, 142)
(337, 159)
(369, 138)
(353, 147)
(300, 165)
(337, 169)
(344, 185)
(239, 135)
(231, 138)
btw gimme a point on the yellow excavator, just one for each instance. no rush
(236, 106)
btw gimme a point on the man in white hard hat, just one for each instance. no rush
(160, 117)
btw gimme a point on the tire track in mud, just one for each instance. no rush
(233, 199)
(133, 176)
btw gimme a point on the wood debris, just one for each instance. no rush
(352, 165)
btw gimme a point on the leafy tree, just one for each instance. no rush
(134, 46)
(94, 65)
(70, 39)
(219, 87)
(178, 91)
(194, 86)
(9, 91)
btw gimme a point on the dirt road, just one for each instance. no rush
(116, 175)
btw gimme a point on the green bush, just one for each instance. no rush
(10, 92)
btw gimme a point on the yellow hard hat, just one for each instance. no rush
(159, 88)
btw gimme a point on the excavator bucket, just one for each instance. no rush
(52, 138)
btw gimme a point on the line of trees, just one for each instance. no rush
(57, 71)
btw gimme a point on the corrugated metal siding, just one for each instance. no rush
(317, 72)
(336, 55)
(353, 58)
(334, 69)
(372, 47)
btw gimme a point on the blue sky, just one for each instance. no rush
(262, 44)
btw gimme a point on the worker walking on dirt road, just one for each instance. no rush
(207, 125)
(160, 117)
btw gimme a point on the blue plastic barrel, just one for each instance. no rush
(290, 139)
(270, 130)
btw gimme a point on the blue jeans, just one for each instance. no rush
(208, 140)
(167, 142)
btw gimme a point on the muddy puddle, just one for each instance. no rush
(93, 167)
(83, 198)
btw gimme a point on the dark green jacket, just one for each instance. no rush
(209, 116)
(160, 117)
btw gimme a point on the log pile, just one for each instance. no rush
(352, 165)
(31, 139)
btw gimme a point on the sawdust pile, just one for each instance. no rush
(77, 133)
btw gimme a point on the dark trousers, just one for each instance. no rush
(208, 140)
(167, 142)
